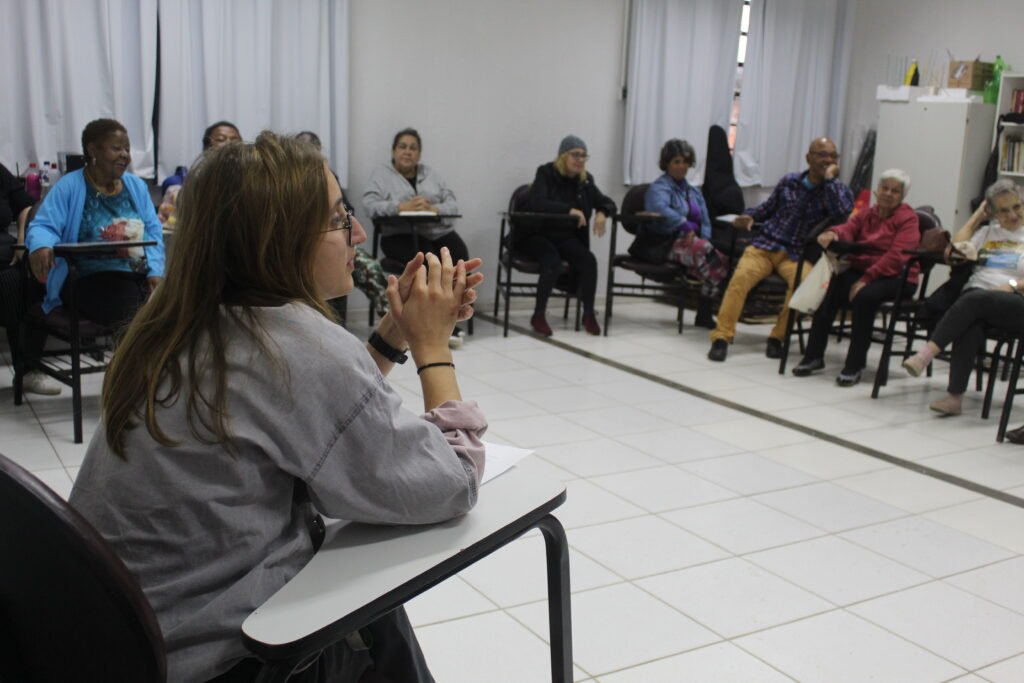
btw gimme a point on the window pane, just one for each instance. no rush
(732, 138)
(741, 54)
(734, 111)
(739, 79)
(745, 19)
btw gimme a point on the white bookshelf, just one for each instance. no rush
(1011, 131)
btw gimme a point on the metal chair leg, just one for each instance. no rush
(1011, 392)
(559, 606)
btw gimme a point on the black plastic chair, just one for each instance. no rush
(89, 344)
(1011, 390)
(69, 608)
(660, 281)
(908, 310)
(509, 260)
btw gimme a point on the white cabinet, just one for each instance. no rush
(944, 146)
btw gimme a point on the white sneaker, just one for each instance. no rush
(37, 383)
(455, 341)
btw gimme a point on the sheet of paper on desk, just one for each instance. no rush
(417, 213)
(727, 217)
(501, 458)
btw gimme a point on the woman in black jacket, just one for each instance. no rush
(564, 187)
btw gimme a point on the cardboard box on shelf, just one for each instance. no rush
(970, 75)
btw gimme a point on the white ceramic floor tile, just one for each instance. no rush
(499, 407)
(541, 430)
(642, 546)
(992, 520)
(722, 663)
(901, 442)
(837, 570)
(826, 418)
(663, 488)
(680, 444)
(449, 599)
(517, 573)
(928, 546)
(57, 479)
(588, 504)
(766, 398)
(712, 379)
(829, 506)
(999, 466)
(742, 525)
(605, 619)
(753, 434)
(565, 399)
(907, 490)
(748, 473)
(635, 391)
(690, 410)
(600, 456)
(32, 454)
(618, 421)
(466, 651)
(520, 380)
(966, 629)
(1001, 583)
(733, 597)
(824, 460)
(840, 648)
(1007, 671)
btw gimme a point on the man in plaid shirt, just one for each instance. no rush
(798, 202)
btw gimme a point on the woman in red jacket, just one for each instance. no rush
(886, 229)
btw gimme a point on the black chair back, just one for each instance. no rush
(632, 204)
(927, 219)
(69, 608)
(721, 191)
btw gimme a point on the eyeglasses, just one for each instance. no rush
(579, 156)
(341, 221)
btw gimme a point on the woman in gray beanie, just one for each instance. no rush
(564, 187)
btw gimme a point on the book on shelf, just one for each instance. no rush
(1012, 156)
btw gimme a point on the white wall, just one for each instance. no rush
(922, 29)
(492, 86)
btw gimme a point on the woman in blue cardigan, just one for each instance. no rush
(99, 203)
(685, 215)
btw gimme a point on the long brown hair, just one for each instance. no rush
(250, 220)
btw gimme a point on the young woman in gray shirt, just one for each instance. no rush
(235, 410)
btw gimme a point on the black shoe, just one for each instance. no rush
(1016, 436)
(809, 367)
(847, 378)
(719, 349)
(773, 349)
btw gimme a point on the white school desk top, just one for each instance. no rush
(359, 563)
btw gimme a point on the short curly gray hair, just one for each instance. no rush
(999, 187)
(900, 176)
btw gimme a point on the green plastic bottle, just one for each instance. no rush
(991, 91)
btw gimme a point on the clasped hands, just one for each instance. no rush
(417, 203)
(430, 296)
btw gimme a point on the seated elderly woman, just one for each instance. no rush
(884, 231)
(235, 410)
(686, 217)
(99, 203)
(992, 296)
(217, 134)
(564, 186)
(407, 185)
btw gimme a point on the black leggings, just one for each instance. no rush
(964, 325)
(400, 247)
(549, 253)
(864, 307)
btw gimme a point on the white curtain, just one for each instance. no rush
(261, 64)
(67, 62)
(794, 84)
(681, 76)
